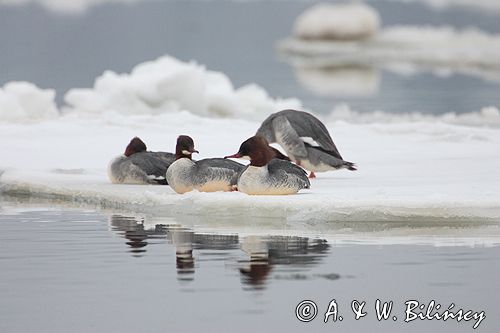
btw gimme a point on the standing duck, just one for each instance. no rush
(267, 175)
(207, 175)
(139, 166)
(305, 139)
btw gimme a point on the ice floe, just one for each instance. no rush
(170, 85)
(337, 22)
(423, 45)
(23, 101)
(487, 6)
(411, 166)
(164, 85)
(335, 36)
(408, 170)
(486, 117)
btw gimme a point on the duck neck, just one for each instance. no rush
(261, 158)
(181, 155)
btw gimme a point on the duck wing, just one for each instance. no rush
(312, 131)
(220, 163)
(155, 168)
(296, 130)
(168, 158)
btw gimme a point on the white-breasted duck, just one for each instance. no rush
(267, 175)
(207, 175)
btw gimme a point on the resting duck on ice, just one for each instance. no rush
(139, 166)
(207, 175)
(267, 174)
(305, 139)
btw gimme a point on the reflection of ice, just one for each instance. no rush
(469, 51)
(339, 80)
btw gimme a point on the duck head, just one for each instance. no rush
(257, 150)
(184, 147)
(136, 145)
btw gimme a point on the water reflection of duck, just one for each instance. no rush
(132, 231)
(264, 252)
(267, 252)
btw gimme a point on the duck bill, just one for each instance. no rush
(192, 151)
(237, 155)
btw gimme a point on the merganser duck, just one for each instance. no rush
(305, 139)
(207, 175)
(139, 166)
(267, 175)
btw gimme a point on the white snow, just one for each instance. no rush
(337, 22)
(23, 101)
(170, 85)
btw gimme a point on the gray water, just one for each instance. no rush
(238, 38)
(82, 270)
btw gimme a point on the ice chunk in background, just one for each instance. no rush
(24, 101)
(170, 85)
(490, 6)
(486, 117)
(337, 22)
(329, 35)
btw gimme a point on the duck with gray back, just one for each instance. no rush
(139, 166)
(267, 175)
(207, 175)
(305, 139)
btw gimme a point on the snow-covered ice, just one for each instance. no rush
(169, 85)
(337, 22)
(23, 101)
(415, 169)
(410, 166)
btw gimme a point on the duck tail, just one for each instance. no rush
(350, 166)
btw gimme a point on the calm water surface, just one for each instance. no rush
(85, 271)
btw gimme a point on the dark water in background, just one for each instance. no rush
(237, 38)
(82, 271)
